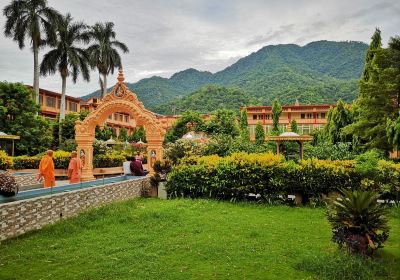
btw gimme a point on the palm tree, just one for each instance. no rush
(67, 57)
(35, 20)
(103, 53)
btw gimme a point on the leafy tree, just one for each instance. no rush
(259, 134)
(104, 134)
(35, 20)
(18, 116)
(375, 45)
(393, 132)
(123, 134)
(293, 125)
(223, 122)
(67, 57)
(338, 118)
(379, 98)
(276, 113)
(244, 125)
(138, 134)
(188, 120)
(103, 53)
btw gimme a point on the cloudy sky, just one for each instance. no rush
(166, 36)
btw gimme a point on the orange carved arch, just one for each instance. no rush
(120, 99)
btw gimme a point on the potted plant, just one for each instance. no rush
(8, 185)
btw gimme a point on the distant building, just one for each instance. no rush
(308, 117)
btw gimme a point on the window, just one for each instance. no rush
(41, 100)
(73, 107)
(58, 103)
(309, 116)
(254, 117)
(110, 117)
(303, 116)
(126, 118)
(322, 115)
(50, 102)
(267, 116)
(120, 117)
(260, 117)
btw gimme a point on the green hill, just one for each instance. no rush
(208, 99)
(319, 72)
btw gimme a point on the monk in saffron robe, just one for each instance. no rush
(74, 168)
(46, 170)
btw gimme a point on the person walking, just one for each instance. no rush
(46, 170)
(74, 168)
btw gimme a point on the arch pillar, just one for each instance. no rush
(155, 151)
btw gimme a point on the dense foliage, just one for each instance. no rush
(238, 175)
(359, 222)
(319, 72)
(208, 99)
(18, 116)
(379, 98)
(6, 161)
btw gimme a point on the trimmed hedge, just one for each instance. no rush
(235, 176)
(108, 160)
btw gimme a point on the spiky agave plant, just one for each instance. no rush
(358, 221)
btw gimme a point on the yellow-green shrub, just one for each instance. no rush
(6, 161)
(237, 175)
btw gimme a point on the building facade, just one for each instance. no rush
(308, 117)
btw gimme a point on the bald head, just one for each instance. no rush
(74, 154)
(49, 153)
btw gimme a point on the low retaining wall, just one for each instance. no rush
(22, 216)
(27, 182)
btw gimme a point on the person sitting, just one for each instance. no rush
(139, 157)
(136, 167)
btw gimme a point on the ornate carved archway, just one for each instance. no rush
(120, 99)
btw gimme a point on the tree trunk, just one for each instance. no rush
(36, 71)
(62, 108)
(63, 90)
(104, 93)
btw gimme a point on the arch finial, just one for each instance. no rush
(120, 78)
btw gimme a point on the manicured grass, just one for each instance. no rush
(192, 239)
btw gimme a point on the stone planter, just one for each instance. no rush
(162, 193)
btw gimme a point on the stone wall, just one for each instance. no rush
(22, 216)
(27, 182)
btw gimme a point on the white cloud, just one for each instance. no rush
(169, 36)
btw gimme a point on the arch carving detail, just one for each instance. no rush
(119, 100)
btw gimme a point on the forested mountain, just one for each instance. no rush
(208, 99)
(319, 72)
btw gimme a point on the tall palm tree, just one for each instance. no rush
(67, 57)
(103, 53)
(35, 20)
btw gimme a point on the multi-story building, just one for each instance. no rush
(50, 103)
(308, 117)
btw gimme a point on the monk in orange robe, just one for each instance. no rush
(74, 168)
(46, 170)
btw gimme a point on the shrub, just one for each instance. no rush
(100, 147)
(182, 148)
(109, 159)
(238, 175)
(358, 221)
(8, 185)
(26, 162)
(68, 145)
(61, 161)
(6, 162)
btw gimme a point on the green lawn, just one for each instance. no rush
(192, 239)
